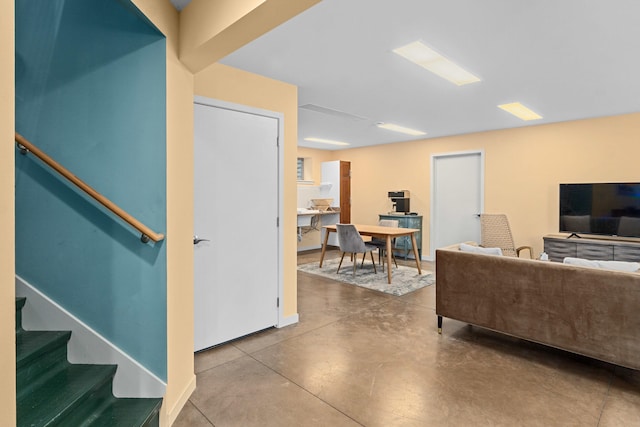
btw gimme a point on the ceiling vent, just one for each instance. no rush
(332, 112)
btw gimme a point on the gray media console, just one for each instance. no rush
(606, 249)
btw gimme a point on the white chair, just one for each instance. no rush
(351, 242)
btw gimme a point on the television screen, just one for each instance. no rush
(611, 209)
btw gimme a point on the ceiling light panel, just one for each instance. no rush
(520, 111)
(325, 141)
(401, 129)
(422, 55)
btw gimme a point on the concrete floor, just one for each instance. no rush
(362, 358)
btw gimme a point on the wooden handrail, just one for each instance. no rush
(147, 233)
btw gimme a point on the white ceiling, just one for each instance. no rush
(565, 59)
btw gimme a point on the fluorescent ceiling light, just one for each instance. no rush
(326, 141)
(421, 54)
(520, 111)
(401, 129)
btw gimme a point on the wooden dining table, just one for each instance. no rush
(386, 233)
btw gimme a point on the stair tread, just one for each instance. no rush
(127, 412)
(55, 398)
(31, 344)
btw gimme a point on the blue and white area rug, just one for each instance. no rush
(403, 279)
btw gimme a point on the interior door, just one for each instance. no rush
(236, 211)
(457, 194)
(345, 192)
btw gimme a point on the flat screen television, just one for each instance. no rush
(611, 209)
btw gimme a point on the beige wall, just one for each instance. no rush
(210, 30)
(523, 168)
(7, 264)
(232, 85)
(181, 380)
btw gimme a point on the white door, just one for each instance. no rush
(236, 210)
(457, 185)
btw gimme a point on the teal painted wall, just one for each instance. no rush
(90, 92)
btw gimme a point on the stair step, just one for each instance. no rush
(62, 394)
(130, 413)
(39, 353)
(20, 301)
(119, 412)
(31, 345)
(94, 403)
(51, 391)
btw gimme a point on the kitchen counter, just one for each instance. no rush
(310, 222)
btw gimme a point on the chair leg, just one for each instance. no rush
(355, 262)
(394, 260)
(372, 261)
(339, 265)
(364, 255)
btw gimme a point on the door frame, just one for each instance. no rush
(211, 102)
(434, 158)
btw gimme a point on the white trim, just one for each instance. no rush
(288, 321)
(434, 157)
(86, 345)
(282, 321)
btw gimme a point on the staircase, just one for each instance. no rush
(51, 391)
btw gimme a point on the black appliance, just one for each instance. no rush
(611, 209)
(400, 200)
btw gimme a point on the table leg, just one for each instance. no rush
(389, 249)
(324, 246)
(415, 252)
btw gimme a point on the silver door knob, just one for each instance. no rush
(197, 240)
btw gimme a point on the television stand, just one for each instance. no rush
(574, 235)
(558, 246)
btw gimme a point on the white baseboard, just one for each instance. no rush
(86, 345)
(286, 321)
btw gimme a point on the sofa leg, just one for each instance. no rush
(440, 325)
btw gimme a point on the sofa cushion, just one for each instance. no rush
(478, 250)
(630, 267)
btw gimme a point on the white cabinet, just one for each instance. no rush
(335, 184)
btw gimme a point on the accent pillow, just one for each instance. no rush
(478, 250)
(629, 267)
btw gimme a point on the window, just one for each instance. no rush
(300, 168)
(305, 172)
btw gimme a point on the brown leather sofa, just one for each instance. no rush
(583, 310)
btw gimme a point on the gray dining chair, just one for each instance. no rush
(351, 242)
(381, 244)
